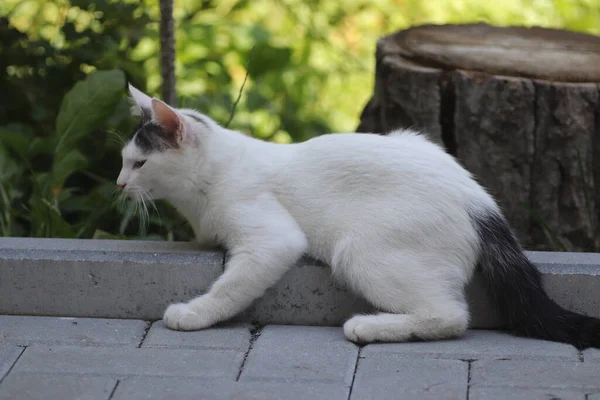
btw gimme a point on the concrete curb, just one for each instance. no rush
(138, 279)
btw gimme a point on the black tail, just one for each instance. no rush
(516, 289)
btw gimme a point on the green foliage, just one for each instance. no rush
(47, 46)
(83, 109)
(310, 69)
(58, 167)
(86, 106)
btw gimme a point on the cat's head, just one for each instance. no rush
(158, 154)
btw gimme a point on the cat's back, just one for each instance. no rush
(401, 143)
(398, 155)
(403, 167)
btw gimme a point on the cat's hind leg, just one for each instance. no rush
(418, 300)
(386, 327)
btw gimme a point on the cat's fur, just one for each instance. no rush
(396, 217)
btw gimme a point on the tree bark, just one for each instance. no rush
(167, 52)
(518, 107)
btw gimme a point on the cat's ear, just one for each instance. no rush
(141, 101)
(169, 119)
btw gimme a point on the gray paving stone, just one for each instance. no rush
(184, 389)
(591, 355)
(131, 362)
(392, 376)
(228, 336)
(480, 344)
(536, 374)
(301, 353)
(284, 335)
(523, 394)
(27, 331)
(593, 396)
(35, 387)
(8, 356)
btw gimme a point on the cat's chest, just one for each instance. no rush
(206, 227)
(202, 221)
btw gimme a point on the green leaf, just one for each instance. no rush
(86, 106)
(153, 237)
(266, 58)
(57, 226)
(16, 137)
(64, 167)
(41, 145)
(256, 101)
(100, 234)
(47, 221)
(8, 167)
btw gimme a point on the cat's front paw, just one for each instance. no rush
(181, 317)
(359, 329)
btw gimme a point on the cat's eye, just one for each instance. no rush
(139, 164)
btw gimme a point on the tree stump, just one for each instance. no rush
(520, 109)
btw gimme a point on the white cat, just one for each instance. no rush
(396, 217)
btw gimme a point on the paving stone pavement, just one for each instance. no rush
(84, 358)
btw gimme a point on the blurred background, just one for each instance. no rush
(310, 72)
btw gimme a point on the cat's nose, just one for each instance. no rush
(121, 186)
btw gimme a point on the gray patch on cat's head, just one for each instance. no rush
(150, 137)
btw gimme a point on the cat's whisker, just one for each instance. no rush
(143, 216)
(116, 137)
(150, 200)
(119, 200)
(139, 212)
(114, 140)
(141, 198)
